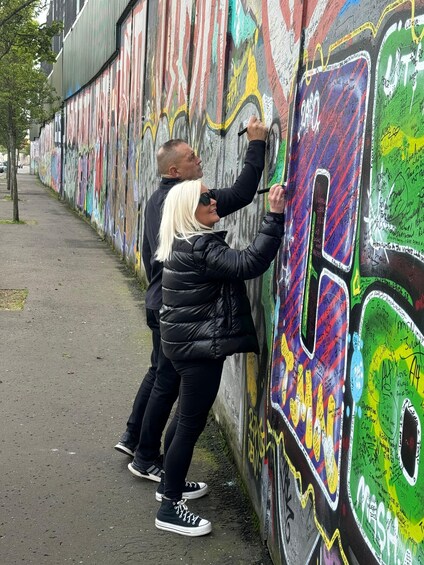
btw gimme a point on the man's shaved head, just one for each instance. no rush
(176, 159)
(168, 155)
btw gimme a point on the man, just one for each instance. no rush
(176, 161)
(159, 389)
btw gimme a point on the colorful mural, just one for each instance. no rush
(136, 120)
(49, 159)
(326, 423)
(346, 397)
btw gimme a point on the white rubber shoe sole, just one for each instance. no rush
(204, 527)
(153, 473)
(124, 449)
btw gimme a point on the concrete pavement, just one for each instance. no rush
(70, 364)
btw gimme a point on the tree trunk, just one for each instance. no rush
(8, 182)
(14, 181)
(11, 167)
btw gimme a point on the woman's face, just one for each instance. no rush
(206, 209)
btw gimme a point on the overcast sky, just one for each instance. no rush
(43, 16)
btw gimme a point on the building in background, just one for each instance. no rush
(65, 11)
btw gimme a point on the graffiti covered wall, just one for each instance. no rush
(326, 422)
(346, 391)
(50, 153)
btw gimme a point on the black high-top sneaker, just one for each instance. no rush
(174, 516)
(191, 490)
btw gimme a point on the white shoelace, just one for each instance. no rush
(184, 513)
(190, 484)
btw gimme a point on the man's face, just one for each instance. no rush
(188, 165)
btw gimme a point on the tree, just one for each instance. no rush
(14, 31)
(25, 94)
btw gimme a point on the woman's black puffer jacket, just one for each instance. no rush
(206, 312)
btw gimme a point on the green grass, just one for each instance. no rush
(12, 222)
(13, 299)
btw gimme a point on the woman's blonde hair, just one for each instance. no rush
(178, 216)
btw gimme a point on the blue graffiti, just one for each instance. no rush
(347, 5)
(356, 372)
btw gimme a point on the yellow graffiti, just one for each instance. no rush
(289, 359)
(395, 138)
(356, 283)
(319, 433)
(367, 26)
(251, 371)
(255, 428)
(256, 442)
(138, 261)
(153, 124)
(301, 407)
(233, 87)
(297, 404)
(304, 495)
(251, 89)
(403, 354)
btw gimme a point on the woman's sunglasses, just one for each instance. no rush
(206, 197)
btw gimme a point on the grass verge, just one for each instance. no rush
(13, 299)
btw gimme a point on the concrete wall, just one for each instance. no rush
(326, 423)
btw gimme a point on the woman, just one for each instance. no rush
(205, 317)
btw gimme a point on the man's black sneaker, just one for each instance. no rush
(174, 516)
(191, 490)
(127, 444)
(152, 472)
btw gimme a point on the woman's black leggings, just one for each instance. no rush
(200, 379)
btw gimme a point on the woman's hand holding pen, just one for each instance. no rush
(277, 199)
(263, 190)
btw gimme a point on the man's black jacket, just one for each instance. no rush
(229, 200)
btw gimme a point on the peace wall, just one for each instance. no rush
(326, 423)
